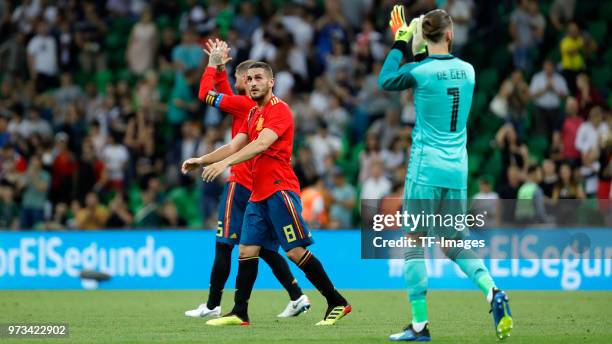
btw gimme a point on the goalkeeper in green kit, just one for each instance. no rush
(437, 172)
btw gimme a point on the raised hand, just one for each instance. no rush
(400, 30)
(217, 51)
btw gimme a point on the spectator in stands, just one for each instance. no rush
(370, 154)
(486, 203)
(574, 47)
(591, 132)
(170, 217)
(604, 190)
(393, 202)
(323, 144)
(549, 178)
(527, 26)
(332, 25)
(343, 202)
(116, 156)
(514, 152)
(42, 59)
(147, 215)
(91, 173)
(567, 187)
(461, 12)
(337, 117)
(548, 88)
(68, 51)
(63, 171)
(92, 215)
(508, 191)
(561, 13)
(314, 205)
(376, 185)
(189, 54)
(35, 125)
(33, 186)
(569, 130)
(397, 155)
(305, 168)
(517, 102)
(5, 136)
(589, 140)
(60, 219)
(531, 207)
(166, 47)
(67, 95)
(388, 127)
(183, 102)
(247, 21)
(119, 214)
(500, 103)
(9, 210)
(89, 37)
(587, 95)
(142, 44)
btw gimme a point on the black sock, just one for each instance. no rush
(318, 277)
(219, 274)
(247, 273)
(280, 268)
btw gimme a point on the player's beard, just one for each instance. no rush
(263, 92)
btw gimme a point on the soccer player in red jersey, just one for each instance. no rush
(274, 209)
(237, 190)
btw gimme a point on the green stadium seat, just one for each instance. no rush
(598, 30)
(493, 166)
(489, 124)
(479, 104)
(103, 78)
(481, 144)
(487, 81)
(605, 11)
(474, 162)
(601, 76)
(187, 204)
(607, 57)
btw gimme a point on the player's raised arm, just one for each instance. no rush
(392, 77)
(237, 143)
(265, 139)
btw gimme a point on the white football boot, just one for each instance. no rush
(203, 311)
(295, 308)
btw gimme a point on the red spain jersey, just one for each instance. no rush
(236, 105)
(272, 169)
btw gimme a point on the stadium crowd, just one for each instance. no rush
(99, 104)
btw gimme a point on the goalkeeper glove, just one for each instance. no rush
(401, 31)
(419, 45)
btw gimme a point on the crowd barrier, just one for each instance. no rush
(181, 259)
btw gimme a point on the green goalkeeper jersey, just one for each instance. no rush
(443, 87)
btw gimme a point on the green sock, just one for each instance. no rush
(415, 274)
(419, 310)
(474, 268)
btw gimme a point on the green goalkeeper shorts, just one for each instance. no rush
(442, 210)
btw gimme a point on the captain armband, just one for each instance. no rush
(213, 99)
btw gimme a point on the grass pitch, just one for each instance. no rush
(157, 317)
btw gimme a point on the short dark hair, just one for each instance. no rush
(532, 169)
(435, 23)
(263, 66)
